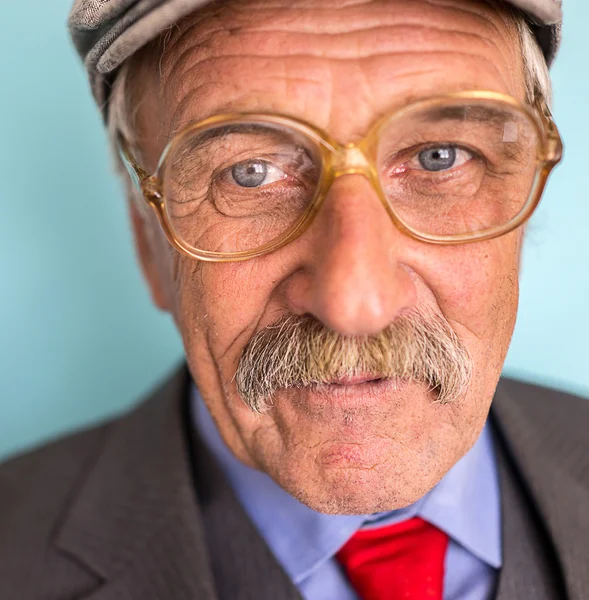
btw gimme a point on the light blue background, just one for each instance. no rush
(79, 338)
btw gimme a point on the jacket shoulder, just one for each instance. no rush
(40, 489)
(546, 404)
(48, 470)
(558, 421)
(35, 491)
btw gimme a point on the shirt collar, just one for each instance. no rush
(464, 504)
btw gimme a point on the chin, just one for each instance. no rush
(359, 452)
(360, 478)
(360, 491)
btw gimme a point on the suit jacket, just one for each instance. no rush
(135, 509)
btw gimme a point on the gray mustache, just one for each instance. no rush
(299, 351)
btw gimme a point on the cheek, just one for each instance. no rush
(475, 284)
(476, 288)
(219, 305)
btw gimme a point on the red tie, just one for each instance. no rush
(404, 561)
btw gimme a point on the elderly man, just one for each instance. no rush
(330, 198)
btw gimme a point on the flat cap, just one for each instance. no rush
(107, 32)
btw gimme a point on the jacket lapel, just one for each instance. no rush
(135, 522)
(244, 567)
(548, 447)
(530, 568)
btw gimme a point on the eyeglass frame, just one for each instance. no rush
(346, 159)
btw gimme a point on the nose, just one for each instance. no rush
(352, 279)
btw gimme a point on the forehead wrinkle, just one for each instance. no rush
(346, 130)
(508, 32)
(205, 75)
(250, 100)
(468, 8)
(189, 64)
(218, 29)
(250, 97)
(447, 57)
(200, 88)
(352, 130)
(195, 31)
(195, 62)
(351, 44)
(360, 15)
(200, 46)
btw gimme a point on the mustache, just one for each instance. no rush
(299, 351)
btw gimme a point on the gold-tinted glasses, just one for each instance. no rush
(457, 168)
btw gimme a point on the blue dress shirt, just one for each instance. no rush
(465, 505)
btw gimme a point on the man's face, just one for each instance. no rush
(356, 446)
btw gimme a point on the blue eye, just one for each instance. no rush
(440, 158)
(249, 174)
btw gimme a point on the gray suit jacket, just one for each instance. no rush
(136, 510)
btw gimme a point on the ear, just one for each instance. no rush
(144, 226)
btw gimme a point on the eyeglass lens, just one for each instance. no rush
(455, 169)
(459, 168)
(234, 188)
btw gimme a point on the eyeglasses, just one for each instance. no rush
(452, 169)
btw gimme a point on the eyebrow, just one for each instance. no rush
(241, 128)
(220, 131)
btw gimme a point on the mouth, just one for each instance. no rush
(358, 379)
(356, 393)
(361, 387)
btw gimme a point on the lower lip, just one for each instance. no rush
(374, 389)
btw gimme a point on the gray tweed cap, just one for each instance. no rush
(107, 32)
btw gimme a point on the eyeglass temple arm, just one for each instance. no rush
(137, 174)
(555, 146)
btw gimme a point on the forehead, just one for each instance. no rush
(339, 65)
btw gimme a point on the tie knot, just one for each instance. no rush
(404, 561)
